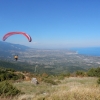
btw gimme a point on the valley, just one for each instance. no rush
(47, 60)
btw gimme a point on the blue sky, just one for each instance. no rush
(52, 23)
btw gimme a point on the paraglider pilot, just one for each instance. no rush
(16, 57)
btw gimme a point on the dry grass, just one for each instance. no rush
(72, 88)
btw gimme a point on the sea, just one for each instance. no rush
(89, 51)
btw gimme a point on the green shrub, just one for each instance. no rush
(8, 74)
(61, 77)
(20, 76)
(94, 72)
(68, 74)
(80, 73)
(98, 81)
(50, 81)
(91, 72)
(7, 90)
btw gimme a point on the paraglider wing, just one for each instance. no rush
(12, 33)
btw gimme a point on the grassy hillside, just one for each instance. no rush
(73, 88)
(14, 85)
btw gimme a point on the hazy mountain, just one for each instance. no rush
(7, 50)
(10, 46)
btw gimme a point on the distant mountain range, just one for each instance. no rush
(10, 49)
(10, 46)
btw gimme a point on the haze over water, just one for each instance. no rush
(90, 51)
